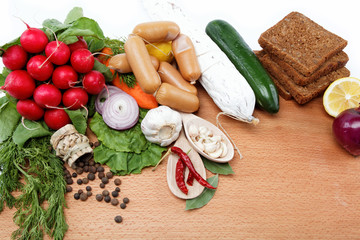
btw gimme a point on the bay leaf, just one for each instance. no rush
(217, 168)
(205, 196)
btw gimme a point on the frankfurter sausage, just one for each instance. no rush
(177, 98)
(185, 56)
(140, 63)
(120, 63)
(157, 31)
(171, 75)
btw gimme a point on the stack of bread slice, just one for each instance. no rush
(302, 57)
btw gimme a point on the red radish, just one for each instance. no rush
(47, 96)
(64, 77)
(19, 84)
(33, 40)
(75, 98)
(56, 118)
(57, 52)
(82, 60)
(29, 109)
(40, 68)
(93, 82)
(81, 43)
(15, 57)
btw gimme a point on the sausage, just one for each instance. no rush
(177, 99)
(185, 56)
(140, 63)
(171, 75)
(120, 63)
(157, 31)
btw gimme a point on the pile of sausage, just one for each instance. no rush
(171, 86)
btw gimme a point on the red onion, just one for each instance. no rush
(103, 95)
(346, 129)
(120, 111)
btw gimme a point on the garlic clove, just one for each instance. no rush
(217, 153)
(193, 131)
(224, 149)
(210, 147)
(216, 138)
(200, 144)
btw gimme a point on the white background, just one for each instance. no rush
(250, 18)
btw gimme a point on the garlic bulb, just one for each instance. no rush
(161, 125)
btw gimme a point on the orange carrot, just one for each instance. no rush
(143, 99)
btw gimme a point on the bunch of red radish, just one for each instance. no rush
(47, 77)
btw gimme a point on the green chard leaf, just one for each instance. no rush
(215, 167)
(78, 119)
(73, 15)
(205, 196)
(33, 130)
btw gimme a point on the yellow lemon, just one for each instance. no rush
(162, 51)
(342, 94)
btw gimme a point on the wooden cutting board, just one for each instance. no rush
(294, 182)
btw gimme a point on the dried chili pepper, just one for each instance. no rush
(179, 176)
(190, 179)
(186, 160)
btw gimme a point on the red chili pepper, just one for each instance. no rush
(186, 160)
(190, 179)
(179, 176)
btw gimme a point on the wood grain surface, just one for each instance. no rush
(294, 182)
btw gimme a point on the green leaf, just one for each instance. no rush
(54, 25)
(9, 119)
(9, 44)
(205, 196)
(131, 140)
(73, 15)
(94, 45)
(35, 129)
(78, 119)
(104, 70)
(215, 167)
(81, 27)
(117, 161)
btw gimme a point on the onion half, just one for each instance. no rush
(120, 111)
(104, 95)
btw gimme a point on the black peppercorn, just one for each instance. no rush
(97, 165)
(101, 175)
(114, 202)
(115, 193)
(96, 144)
(107, 199)
(117, 181)
(126, 200)
(79, 181)
(79, 170)
(86, 169)
(66, 172)
(80, 191)
(117, 189)
(85, 180)
(69, 181)
(105, 180)
(89, 193)
(91, 176)
(74, 175)
(102, 185)
(91, 144)
(100, 169)
(92, 169)
(68, 175)
(99, 197)
(109, 175)
(81, 164)
(88, 188)
(105, 193)
(91, 162)
(83, 197)
(68, 188)
(118, 219)
(122, 205)
(77, 196)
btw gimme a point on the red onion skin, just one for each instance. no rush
(346, 129)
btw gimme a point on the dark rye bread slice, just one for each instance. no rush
(336, 62)
(301, 42)
(281, 90)
(301, 94)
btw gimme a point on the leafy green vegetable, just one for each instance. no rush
(78, 119)
(132, 140)
(205, 196)
(9, 119)
(104, 70)
(73, 15)
(34, 130)
(9, 44)
(215, 167)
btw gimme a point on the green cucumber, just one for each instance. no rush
(246, 62)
